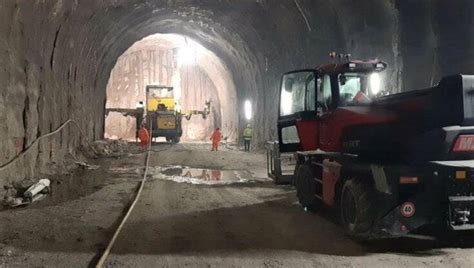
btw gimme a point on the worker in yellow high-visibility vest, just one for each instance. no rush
(248, 133)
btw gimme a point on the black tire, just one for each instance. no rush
(306, 187)
(279, 181)
(357, 208)
(176, 139)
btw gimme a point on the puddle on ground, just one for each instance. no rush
(74, 187)
(201, 176)
(126, 171)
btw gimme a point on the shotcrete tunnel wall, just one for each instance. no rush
(56, 56)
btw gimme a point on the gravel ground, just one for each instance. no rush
(241, 224)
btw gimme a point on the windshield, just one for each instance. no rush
(357, 88)
(161, 93)
(297, 87)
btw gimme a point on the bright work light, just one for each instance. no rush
(375, 83)
(186, 55)
(248, 109)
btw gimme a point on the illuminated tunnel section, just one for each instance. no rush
(196, 74)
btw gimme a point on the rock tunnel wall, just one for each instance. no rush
(56, 55)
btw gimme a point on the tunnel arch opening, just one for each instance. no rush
(196, 73)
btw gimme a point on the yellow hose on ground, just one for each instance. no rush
(106, 252)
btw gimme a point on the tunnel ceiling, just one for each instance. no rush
(56, 56)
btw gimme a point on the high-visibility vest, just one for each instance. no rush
(216, 136)
(248, 132)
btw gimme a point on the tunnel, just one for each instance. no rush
(58, 56)
(65, 62)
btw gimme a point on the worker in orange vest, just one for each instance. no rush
(216, 139)
(144, 137)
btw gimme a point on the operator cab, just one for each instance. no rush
(160, 99)
(307, 95)
(357, 82)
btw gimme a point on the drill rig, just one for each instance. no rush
(163, 112)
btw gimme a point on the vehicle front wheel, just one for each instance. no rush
(306, 186)
(176, 139)
(357, 208)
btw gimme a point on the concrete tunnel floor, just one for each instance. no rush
(243, 221)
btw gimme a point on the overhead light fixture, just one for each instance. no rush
(379, 66)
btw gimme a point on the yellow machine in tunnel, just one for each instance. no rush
(164, 114)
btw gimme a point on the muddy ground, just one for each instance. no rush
(220, 212)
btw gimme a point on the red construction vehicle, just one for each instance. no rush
(391, 163)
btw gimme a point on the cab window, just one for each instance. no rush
(311, 94)
(352, 89)
(290, 135)
(325, 94)
(295, 88)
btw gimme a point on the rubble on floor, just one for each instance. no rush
(85, 165)
(18, 195)
(107, 148)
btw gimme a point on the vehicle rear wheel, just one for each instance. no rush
(176, 139)
(306, 187)
(357, 208)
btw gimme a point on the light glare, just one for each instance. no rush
(286, 102)
(248, 109)
(375, 83)
(186, 56)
